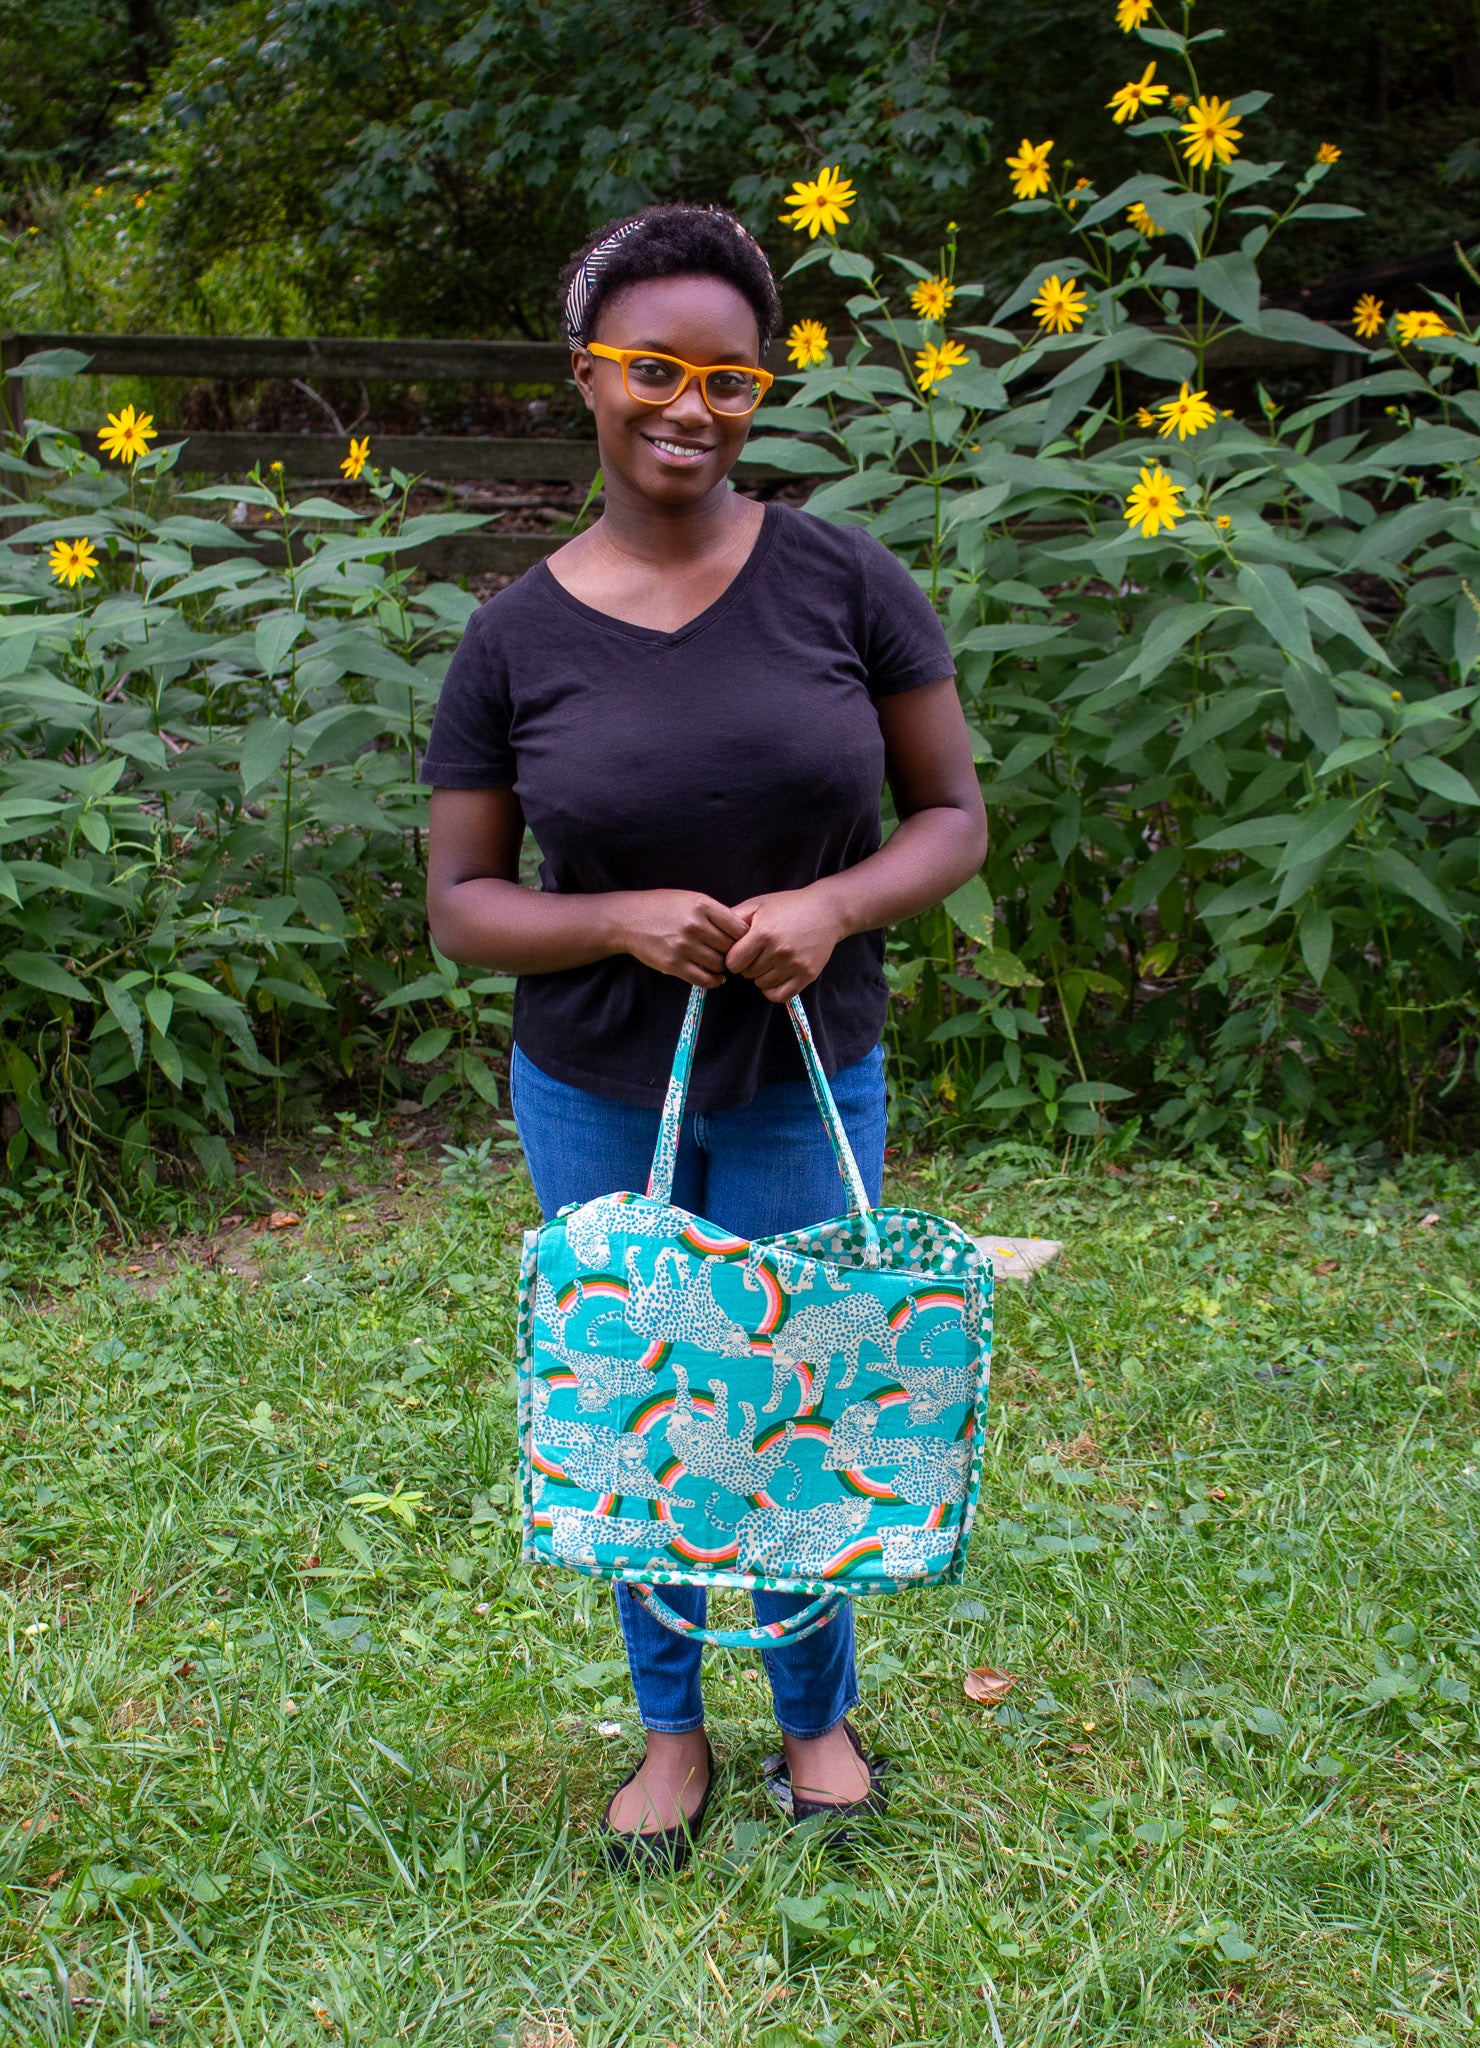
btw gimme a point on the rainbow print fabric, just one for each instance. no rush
(803, 1413)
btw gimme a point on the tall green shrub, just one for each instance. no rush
(211, 888)
(1219, 671)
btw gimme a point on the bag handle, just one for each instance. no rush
(772, 1636)
(665, 1154)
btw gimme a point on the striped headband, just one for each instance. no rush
(583, 285)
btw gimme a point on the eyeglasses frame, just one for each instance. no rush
(624, 356)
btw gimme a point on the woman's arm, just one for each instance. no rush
(941, 841)
(478, 913)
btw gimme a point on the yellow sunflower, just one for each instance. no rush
(932, 296)
(1328, 153)
(1130, 14)
(1153, 505)
(1187, 413)
(932, 363)
(1145, 417)
(1141, 221)
(127, 434)
(1029, 169)
(358, 456)
(1060, 305)
(1367, 316)
(1423, 326)
(806, 344)
(1212, 134)
(1134, 99)
(71, 561)
(820, 204)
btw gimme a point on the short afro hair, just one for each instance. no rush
(671, 240)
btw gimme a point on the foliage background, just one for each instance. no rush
(1233, 769)
(423, 166)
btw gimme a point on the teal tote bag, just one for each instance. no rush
(802, 1413)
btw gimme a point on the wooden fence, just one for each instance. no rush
(445, 458)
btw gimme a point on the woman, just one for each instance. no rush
(693, 706)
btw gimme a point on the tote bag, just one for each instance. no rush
(802, 1413)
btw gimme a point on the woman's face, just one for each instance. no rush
(672, 454)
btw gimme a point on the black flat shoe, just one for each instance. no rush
(664, 1852)
(838, 1834)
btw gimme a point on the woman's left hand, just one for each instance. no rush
(791, 938)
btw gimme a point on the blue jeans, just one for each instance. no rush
(755, 1171)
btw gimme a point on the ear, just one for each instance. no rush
(583, 370)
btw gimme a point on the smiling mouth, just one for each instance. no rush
(682, 451)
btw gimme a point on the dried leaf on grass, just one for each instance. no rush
(550, 2032)
(284, 1219)
(987, 1685)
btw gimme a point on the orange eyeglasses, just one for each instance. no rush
(735, 389)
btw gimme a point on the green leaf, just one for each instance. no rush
(1315, 942)
(800, 458)
(423, 989)
(1398, 872)
(1229, 708)
(479, 1078)
(1145, 884)
(809, 1913)
(159, 1005)
(126, 1010)
(1271, 595)
(320, 904)
(865, 487)
(264, 745)
(141, 745)
(1146, 187)
(971, 909)
(40, 970)
(1009, 637)
(1277, 325)
(1313, 701)
(1334, 610)
(1257, 831)
(430, 1045)
(1169, 632)
(1004, 969)
(1349, 753)
(167, 1059)
(52, 362)
(1322, 829)
(1441, 780)
(273, 639)
(1232, 284)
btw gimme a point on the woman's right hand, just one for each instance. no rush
(678, 931)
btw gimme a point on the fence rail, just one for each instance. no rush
(443, 457)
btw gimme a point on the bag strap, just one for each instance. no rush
(773, 1636)
(665, 1154)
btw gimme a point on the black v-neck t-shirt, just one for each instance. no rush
(739, 755)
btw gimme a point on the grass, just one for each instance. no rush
(281, 1766)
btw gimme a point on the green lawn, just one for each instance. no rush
(278, 1767)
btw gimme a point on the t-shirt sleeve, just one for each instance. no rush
(904, 643)
(470, 746)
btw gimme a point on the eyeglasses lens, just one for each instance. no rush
(655, 379)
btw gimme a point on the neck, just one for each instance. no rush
(669, 535)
